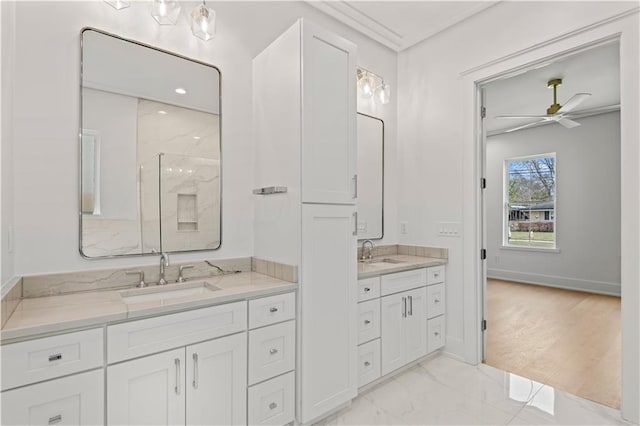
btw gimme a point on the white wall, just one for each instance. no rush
(437, 149)
(46, 109)
(7, 35)
(587, 205)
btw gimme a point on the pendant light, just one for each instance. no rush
(165, 12)
(118, 4)
(203, 22)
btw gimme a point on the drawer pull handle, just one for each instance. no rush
(55, 357)
(436, 301)
(437, 333)
(436, 274)
(366, 322)
(55, 419)
(367, 289)
(195, 371)
(273, 310)
(177, 387)
(404, 307)
(410, 306)
(273, 351)
(367, 363)
(273, 405)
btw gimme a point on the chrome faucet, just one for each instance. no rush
(369, 256)
(164, 262)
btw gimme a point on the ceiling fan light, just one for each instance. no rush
(165, 12)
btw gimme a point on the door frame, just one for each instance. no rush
(622, 27)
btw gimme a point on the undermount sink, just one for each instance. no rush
(385, 260)
(167, 292)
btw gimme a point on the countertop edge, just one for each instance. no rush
(393, 268)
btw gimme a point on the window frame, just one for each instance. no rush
(505, 203)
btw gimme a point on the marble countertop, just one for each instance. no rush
(398, 263)
(53, 314)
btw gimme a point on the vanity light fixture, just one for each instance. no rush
(203, 22)
(118, 4)
(165, 12)
(181, 91)
(372, 85)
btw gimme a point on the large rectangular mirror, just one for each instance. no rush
(149, 150)
(370, 177)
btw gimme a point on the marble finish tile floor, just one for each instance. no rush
(444, 391)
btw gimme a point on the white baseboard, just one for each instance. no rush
(454, 348)
(600, 287)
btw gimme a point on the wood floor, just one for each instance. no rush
(567, 339)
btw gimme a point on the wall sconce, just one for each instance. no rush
(166, 12)
(372, 85)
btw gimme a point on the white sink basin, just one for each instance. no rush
(387, 260)
(167, 292)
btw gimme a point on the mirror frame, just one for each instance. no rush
(80, 152)
(382, 206)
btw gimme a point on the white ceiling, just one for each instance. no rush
(595, 71)
(400, 24)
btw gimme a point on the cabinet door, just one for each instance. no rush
(217, 381)
(329, 153)
(73, 400)
(415, 326)
(392, 314)
(328, 294)
(147, 391)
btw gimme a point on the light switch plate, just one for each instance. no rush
(449, 229)
(404, 227)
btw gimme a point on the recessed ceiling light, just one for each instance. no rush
(162, 112)
(196, 137)
(180, 91)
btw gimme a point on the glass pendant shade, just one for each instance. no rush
(365, 83)
(203, 22)
(165, 12)
(382, 93)
(118, 4)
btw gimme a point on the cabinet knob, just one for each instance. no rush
(437, 333)
(55, 357)
(273, 405)
(55, 419)
(273, 351)
(367, 322)
(367, 289)
(436, 274)
(367, 363)
(272, 310)
(436, 301)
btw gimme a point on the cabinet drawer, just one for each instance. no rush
(435, 333)
(435, 300)
(272, 351)
(435, 275)
(368, 362)
(401, 281)
(272, 402)
(72, 400)
(368, 289)
(269, 310)
(368, 320)
(142, 337)
(50, 357)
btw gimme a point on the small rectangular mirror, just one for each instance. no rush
(370, 177)
(150, 150)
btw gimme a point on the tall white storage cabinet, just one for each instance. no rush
(305, 139)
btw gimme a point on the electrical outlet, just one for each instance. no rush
(362, 227)
(404, 227)
(449, 229)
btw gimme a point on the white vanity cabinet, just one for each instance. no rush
(305, 139)
(65, 394)
(401, 319)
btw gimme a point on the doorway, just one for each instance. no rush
(551, 221)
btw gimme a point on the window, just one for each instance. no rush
(530, 201)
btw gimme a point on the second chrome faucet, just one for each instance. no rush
(164, 262)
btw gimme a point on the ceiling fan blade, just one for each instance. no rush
(524, 126)
(569, 124)
(576, 100)
(521, 116)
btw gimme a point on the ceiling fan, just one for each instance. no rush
(555, 112)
